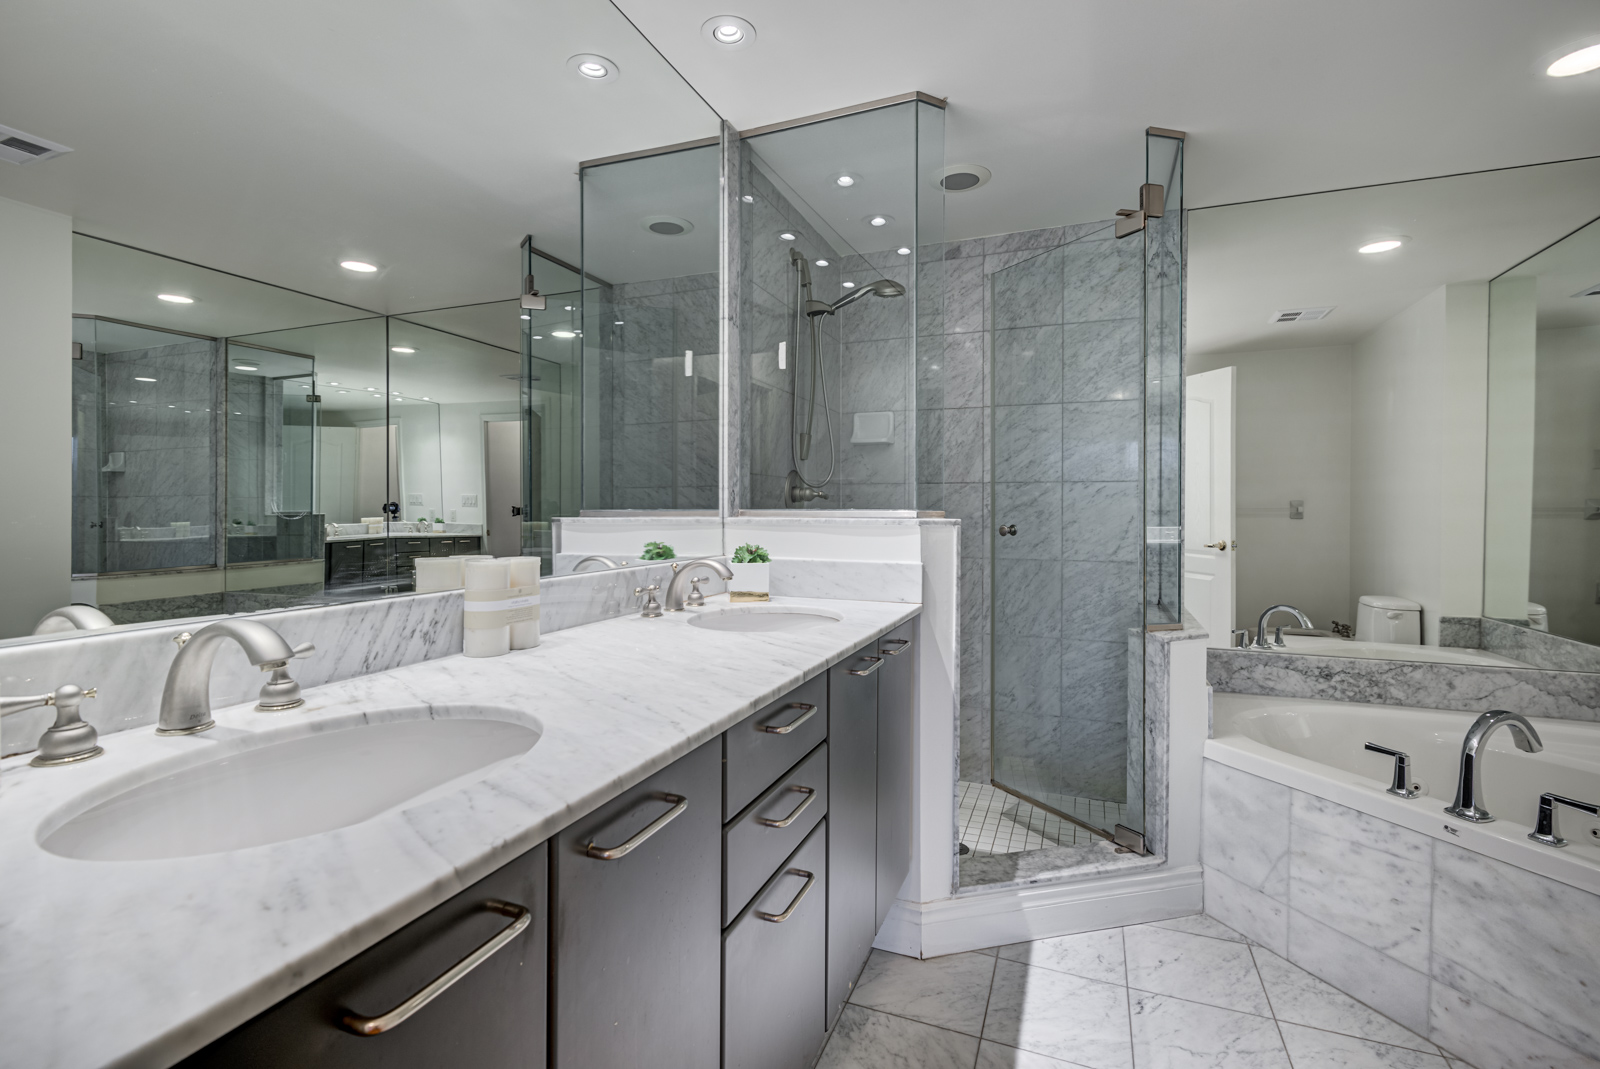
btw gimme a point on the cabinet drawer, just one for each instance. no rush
(758, 749)
(775, 969)
(758, 840)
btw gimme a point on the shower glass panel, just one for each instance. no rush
(1067, 503)
(1163, 340)
(835, 217)
(652, 370)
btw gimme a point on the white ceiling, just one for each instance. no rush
(1053, 95)
(1248, 261)
(1564, 271)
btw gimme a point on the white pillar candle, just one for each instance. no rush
(524, 602)
(438, 573)
(486, 630)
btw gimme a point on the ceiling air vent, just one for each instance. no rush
(18, 147)
(1299, 315)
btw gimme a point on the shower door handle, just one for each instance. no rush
(1008, 529)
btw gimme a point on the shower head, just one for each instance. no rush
(882, 288)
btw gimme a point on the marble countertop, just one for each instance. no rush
(402, 534)
(140, 963)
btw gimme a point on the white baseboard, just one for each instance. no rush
(1016, 915)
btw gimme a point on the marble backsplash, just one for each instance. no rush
(1562, 695)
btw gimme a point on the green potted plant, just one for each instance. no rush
(752, 574)
(657, 551)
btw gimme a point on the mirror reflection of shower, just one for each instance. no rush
(797, 488)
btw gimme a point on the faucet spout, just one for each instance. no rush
(1467, 805)
(186, 698)
(674, 598)
(1261, 642)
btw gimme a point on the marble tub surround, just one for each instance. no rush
(615, 702)
(1180, 993)
(1561, 695)
(1487, 960)
(1538, 648)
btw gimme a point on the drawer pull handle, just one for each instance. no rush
(810, 796)
(877, 663)
(779, 918)
(679, 804)
(810, 711)
(899, 645)
(374, 1026)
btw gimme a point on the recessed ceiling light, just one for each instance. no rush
(619, 323)
(748, 199)
(964, 176)
(845, 180)
(786, 236)
(133, 402)
(527, 317)
(1579, 62)
(1379, 246)
(401, 349)
(666, 225)
(538, 337)
(879, 220)
(427, 398)
(568, 308)
(174, 298)
(344, 391)
(172, 406)
(333, 384)
(592, 67)
(903, 251)
(728, 31)
(822, 263)
(246, 367)
(361, 267)
(562, 334)
(143, 378)
(848, 285)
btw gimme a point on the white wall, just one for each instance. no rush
(1417, 473)
(1565, 548)
(1292, 416)
(35, 414)
(461, 455)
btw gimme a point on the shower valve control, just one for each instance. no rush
(1008, 529)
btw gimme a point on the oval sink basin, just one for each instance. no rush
(250, 794)
(765, 618)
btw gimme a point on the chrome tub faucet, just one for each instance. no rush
(1261, 642)
(186, 699)
(1467, 805)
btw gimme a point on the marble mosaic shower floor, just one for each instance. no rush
(994, 822)
(1180, 994)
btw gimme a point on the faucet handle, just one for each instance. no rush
(652, 607)
(1545, 830)
(69, 739)
(1239, 637)
(695, 598)
(1400, 784)
(305, 649)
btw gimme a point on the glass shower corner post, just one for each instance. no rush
(926, 390)
(1163, 355)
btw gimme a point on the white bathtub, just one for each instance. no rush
(1317, 646)
(1317, 747)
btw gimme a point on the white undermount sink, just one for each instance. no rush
(768, 617)
(253, 790)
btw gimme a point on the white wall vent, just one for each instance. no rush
(18, 147)
(1300, 315)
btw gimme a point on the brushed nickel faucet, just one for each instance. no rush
(674, 596)
(1527, 739)
(186, 699)
(607, 561)
(72, 618)
(69, 739)
(1261, 642)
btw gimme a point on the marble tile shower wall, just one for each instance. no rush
(1047, 325)
(1493, 963)
(167, 432)
(659, 427)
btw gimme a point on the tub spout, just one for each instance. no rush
(1467, 805)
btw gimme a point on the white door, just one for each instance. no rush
(1209, 549)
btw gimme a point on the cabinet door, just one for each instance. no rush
(775, 966)
(636, 939)
(346, 567)
(491, 1018)
(853, 820)
(897, 689)
(377, 556)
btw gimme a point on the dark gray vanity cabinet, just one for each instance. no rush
(635, 929)
(853, 819)
(897, 696)
(493, 1017)
(775, 960)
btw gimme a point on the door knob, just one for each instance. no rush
(1217, 545)
(1008, 529)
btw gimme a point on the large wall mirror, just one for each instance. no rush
(1383, 438)
(302, 354)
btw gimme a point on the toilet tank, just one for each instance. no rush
(1538, 616)
(1381, 618)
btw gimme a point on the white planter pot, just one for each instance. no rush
(750, 582)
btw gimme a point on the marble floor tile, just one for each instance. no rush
(1200, 924)
(1170, 1033)
(867, 1039)
(1195, 967)
(1059, 1015)
(1298, 997)
(1311, 1048)
(950, 991)
(1095, 955)
(1000, 1056)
